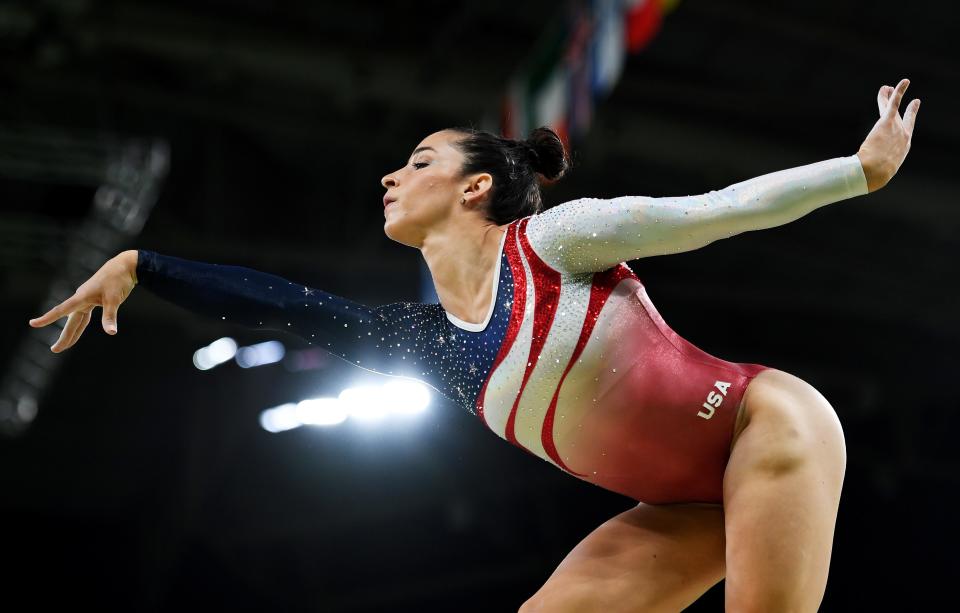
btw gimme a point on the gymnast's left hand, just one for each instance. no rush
(887, 144)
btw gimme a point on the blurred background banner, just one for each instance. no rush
(577, 60)
(187, 464)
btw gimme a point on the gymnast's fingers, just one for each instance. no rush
(110, 305)
(84, 320)
(68, 332)
(897, 96)
(64, 308)
(883, 98)
(910, 115)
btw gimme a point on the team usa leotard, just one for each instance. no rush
(572, 363)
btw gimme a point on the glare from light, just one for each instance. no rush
(217, 352)
(278, 419)
(321, 412)
(201, 360)
(260, 354)
(222, 349)
(406, 396)
(365, 402)
(26, 408)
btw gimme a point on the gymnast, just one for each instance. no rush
(546, 335)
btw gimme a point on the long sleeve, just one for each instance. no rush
(387, 339)
(594, 234)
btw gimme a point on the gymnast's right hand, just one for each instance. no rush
(107, 288)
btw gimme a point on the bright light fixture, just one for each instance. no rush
(365, 403)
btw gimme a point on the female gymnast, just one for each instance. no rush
(549, 338)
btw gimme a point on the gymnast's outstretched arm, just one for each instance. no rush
(594, 234)
(375, 338)
(389, 339)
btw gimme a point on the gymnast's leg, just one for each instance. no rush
(781, 494)
(650, 558)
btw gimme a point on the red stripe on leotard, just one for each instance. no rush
(600, 290)
(546, 283)
(546, 293)
(516, 312)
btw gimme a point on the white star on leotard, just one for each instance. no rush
(308, 292)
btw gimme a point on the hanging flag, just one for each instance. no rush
(576, 62)
(608, 50)
(550, 101)
(512, 111)
(580, 72)
(643, 19)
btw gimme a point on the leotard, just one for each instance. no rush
(572, 363)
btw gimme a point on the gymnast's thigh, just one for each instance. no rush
(649, 558)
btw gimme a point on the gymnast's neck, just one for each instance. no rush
(462, 255)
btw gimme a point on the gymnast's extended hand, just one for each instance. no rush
(107, 288)
(887, 144)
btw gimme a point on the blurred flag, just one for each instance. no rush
(643, 21)
(577, 61)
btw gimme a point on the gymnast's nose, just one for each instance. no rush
(388, 181)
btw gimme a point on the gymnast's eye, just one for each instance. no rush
(419, 164)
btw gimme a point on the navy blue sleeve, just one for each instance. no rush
(393, 339)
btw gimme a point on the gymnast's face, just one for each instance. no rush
(428, 191)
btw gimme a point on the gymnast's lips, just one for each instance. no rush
(387, 200)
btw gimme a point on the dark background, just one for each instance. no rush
(144, 484)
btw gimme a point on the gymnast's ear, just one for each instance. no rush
(477, 189)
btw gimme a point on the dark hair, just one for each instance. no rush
(515, 166)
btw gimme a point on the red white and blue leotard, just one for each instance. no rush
(572, 363)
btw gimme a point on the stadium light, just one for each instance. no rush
(217, 352)
(364, 403)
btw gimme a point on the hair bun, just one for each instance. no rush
(546, 153)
